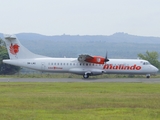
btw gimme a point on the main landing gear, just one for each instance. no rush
(85, 76)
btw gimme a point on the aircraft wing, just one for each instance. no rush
(84, 58)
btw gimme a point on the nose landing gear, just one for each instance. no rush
(148, 76)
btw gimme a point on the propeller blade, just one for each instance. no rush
(106, 58)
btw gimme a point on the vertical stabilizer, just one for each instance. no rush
(16, 50)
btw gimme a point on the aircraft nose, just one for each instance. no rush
(155, 69)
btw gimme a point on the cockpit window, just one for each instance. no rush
(146, 63)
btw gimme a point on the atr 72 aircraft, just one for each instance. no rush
(85, 65)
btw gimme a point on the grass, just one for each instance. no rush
(87, 101)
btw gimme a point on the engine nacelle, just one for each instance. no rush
(96, 59)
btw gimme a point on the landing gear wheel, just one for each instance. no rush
(148, 76)
(85, 76)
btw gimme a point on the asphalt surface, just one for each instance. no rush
(130, 80)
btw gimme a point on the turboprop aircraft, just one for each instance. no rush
(85, 65)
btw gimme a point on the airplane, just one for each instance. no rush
(85, 64)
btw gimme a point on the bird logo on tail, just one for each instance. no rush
(14, 49)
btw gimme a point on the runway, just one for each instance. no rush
(129, 80)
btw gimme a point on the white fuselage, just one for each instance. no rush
(72, 65)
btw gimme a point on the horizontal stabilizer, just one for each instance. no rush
(9, 37)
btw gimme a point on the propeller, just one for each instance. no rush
(106, 58)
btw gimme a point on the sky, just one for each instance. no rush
(80, 17)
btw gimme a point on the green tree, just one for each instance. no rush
(5, 68)
(152, 57)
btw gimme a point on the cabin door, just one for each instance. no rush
(43, 67)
